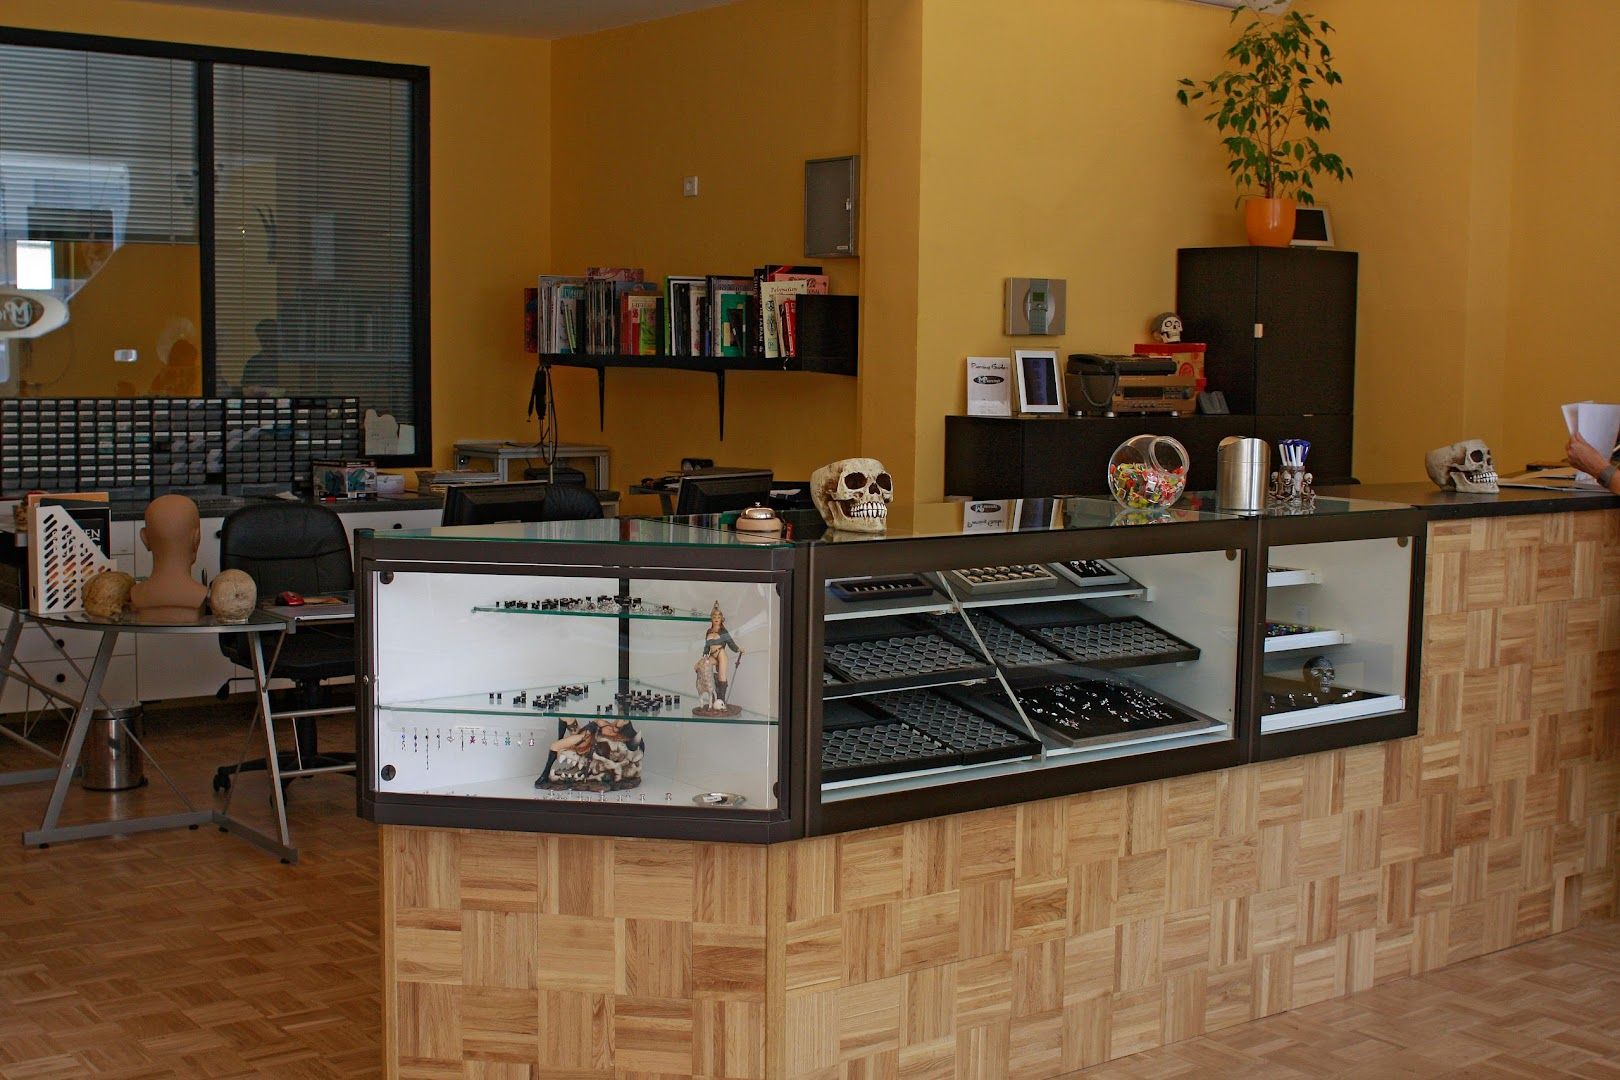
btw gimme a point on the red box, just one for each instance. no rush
(1188, 355)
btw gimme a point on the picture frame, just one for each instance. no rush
(1040, 382)
(1313, 227)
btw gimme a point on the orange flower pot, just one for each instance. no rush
(1269, 222)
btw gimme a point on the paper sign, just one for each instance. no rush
(989, 386)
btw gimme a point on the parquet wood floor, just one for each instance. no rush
(1543, 1009)
(191, 953)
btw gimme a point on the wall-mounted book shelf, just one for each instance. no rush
(713, 365)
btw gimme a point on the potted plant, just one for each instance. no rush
(1269, 108)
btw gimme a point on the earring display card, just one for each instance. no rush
(989, 386)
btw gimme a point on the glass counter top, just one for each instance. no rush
(907, 521)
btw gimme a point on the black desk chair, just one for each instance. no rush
(304, 549)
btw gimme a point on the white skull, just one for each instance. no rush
(1463, 466)
(1167, 328)
(853, 494)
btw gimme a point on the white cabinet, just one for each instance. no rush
(383, 521)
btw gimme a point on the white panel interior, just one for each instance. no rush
(1365, 593)
(432, 644)
(1195, 596)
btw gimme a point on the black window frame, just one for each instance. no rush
(205, 57)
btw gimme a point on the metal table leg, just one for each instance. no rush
(261, 681)
(50, 830)
(8, 653)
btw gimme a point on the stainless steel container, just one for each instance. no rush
(110, 760)
(1241, 468)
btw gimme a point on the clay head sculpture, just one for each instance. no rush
(172, 532)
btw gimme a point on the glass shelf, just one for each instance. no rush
(678, 615)
(583, 708)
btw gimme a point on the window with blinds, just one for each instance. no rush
(94, 143)
(313, 241)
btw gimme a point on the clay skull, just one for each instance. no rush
(1463, 466)
(1167, 328)
(853, 494)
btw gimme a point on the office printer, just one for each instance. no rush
(1128, 385)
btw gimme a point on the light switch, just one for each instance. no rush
(689, 187)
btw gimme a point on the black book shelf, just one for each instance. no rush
(827, 344)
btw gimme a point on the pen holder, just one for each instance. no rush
(1291, 486)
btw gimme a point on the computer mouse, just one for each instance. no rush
(289, 599)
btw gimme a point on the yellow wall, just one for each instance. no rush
(740, 96)
(1063, 153)
(1566, 222)
(130, 303)
(490, 180)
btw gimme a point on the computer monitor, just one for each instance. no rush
(490, 504)
(719, 494)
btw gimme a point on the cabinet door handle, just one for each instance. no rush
(61, 678)
(61, 643)
(399, 524)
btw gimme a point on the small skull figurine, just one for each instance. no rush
(853, 494)
(1463, 466)
(1167, 328)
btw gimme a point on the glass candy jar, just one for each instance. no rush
(1148, 471)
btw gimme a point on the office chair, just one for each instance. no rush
(565, 502)
(305, 549)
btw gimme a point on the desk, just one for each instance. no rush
(183, 623)
(501, 453)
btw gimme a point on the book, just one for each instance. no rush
(677, 313)
(697, 308)
(788, 330)
(756, 310)
(568, 302)
(771, 294)
(549, 332)
(638, 324)
(728, 314)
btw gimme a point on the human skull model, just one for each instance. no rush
(1167, 328)
(1463, 466)
(853, 494)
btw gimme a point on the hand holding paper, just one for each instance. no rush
(1599, 426)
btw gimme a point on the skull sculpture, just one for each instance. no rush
(1463, 466)
(1167, 328)
(853, 494)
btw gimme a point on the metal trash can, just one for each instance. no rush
(110, 759)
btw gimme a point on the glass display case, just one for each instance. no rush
(1033, 647)
(578, 676)
(672, 677)
(1343, 613)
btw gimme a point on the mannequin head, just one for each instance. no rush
(172, 533)
(173, 528)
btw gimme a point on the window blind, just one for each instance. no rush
(96, 143)
(312, 230)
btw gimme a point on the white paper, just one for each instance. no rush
(989, 386)
(1598, 424)
(987, 515)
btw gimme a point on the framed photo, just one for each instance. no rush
(1312, 227)
(1037, 514)
(1040, 383)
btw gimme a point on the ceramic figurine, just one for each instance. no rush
(595, 755)
(172, 532)
(713, 677)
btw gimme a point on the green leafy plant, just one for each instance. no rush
(1270, 106)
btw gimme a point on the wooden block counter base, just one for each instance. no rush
(1038, 939)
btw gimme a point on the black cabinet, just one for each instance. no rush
(1280, 324)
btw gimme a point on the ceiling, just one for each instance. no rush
(523, 18)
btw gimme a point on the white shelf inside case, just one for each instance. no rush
(1279, 576)
(1332, 714)
(1065, 591)
(656, 789)
(1317, 639)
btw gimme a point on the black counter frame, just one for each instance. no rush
(801, 572)
(1411, 526)
(776, 564)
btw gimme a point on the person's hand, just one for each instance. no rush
(1585, 457)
